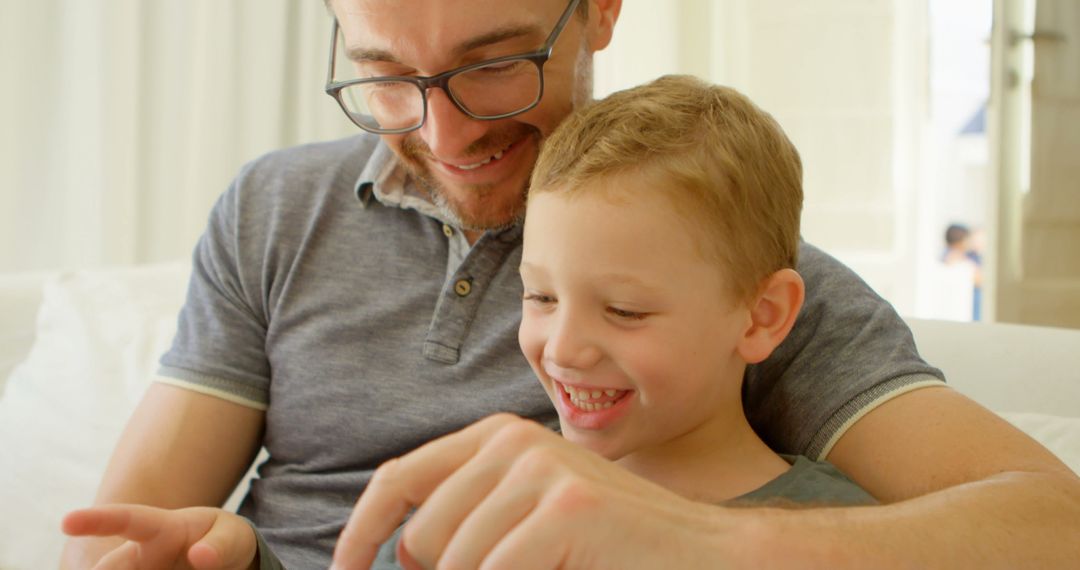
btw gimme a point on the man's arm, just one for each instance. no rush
(966, 487)
(179, 449)
(505, 491)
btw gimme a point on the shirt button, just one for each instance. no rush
(447, 230)
(463, 287)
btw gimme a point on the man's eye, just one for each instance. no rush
(368, 70)
(628, 315)
(506, 67)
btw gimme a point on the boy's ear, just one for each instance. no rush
(601, 24)
(772, 314)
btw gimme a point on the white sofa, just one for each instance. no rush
(77, 349)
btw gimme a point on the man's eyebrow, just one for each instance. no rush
(497, 36)
(362, 54)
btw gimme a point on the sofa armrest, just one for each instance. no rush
(1006, 367)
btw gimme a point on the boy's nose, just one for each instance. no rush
(570, 345)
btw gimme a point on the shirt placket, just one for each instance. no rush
(463, 292)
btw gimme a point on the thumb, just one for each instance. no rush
(230, 543)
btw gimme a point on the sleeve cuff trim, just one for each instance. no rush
(865, 403)
(211, 391)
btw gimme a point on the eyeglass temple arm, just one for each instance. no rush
(333, 53)
(550, 41)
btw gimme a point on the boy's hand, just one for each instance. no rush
(201, 538)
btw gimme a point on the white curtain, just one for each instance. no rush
(123, 120)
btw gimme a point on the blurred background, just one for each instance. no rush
(123, 120)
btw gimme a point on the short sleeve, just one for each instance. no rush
(848, 352)
(220, 342)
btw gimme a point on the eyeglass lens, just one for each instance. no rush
(489, 91)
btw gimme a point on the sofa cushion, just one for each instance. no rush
(1061, 435)
(99, 336)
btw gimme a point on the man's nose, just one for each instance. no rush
(571, 343)
(447, 130)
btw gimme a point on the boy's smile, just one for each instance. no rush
(590, 407)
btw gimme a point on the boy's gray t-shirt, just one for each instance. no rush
(806, 484)
(324, 270)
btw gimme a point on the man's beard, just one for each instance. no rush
(414, 153)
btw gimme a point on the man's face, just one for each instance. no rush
(626, 324)
(477, 170)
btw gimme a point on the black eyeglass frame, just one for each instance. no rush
(441, 81)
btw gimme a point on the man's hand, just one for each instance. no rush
(198, 537)
(508, 493)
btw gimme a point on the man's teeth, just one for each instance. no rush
(476, 165)
(580, 398)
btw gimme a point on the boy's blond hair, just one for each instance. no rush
(727, 166)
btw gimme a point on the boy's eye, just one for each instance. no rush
(629, 315)
(538, 298)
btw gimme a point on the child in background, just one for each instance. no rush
(961, 250)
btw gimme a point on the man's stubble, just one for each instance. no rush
(414, 153)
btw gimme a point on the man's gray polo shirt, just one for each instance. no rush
(358, 318)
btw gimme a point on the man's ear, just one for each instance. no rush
(601, 25)
(772, 314)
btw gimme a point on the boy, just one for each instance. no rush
(660, 241)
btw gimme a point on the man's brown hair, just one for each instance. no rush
(727, 166)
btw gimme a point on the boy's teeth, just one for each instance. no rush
(581, 398)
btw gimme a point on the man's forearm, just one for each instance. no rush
(1012, 520)
(179, 449)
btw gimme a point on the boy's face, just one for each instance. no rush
(478, 170)
(620, 304)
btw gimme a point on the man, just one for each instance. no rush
(374, 280)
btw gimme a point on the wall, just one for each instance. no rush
(846, 80)
(124, 120)
(1039, 204)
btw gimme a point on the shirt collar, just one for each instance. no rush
(386, 179)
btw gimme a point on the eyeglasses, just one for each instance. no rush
(487, 90)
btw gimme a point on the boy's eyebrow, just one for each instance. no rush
(607, 278)
(627, 279)
(362, 54)
(526, 266)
